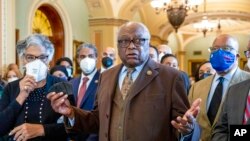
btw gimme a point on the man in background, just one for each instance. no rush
(212, 90)
(85, 86)
(247, 54)
(153, 53)
(108, 58)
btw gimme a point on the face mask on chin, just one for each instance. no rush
(12, 79)
(161, 55)
(222, 60)
(69, 71)
(37, 69)
(88, 65)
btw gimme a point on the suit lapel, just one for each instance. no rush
(204, 92)
(91, 88)
(241, 102)
(145, 77)
(75, 87)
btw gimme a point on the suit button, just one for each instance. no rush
(107, 116)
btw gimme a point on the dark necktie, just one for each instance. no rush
(127, 82)
(82, 91)
(215, 102)
(247, 110)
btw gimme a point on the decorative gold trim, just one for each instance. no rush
(76, 68)
(158, 39)
(107, 22)
(193, 65)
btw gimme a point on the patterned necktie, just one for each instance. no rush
(82, 91)
(247, 110)
(127, 82)
(216, 100)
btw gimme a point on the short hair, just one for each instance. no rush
(59, 68)
(38, 40)
(196, 75)
(155, 48)
(166, 56)
(86, 45)
(67, 59)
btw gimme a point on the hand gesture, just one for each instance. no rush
(60, 103)
(27, 131)
(185, 124)
(26, 85)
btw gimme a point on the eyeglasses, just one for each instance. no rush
(225, 48)
(124, 43)
(31, 58)
(247, 53)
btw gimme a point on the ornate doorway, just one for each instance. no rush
(48, 22)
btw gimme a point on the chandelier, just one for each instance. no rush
(176, 9)
(205, 26)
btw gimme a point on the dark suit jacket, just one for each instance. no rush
(185, 78)
(12, 113)
(232, 110)
(87, 103)
(90, 95)
(156, 97)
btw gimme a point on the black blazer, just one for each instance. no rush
(12, 113)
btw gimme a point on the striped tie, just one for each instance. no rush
(247, 110)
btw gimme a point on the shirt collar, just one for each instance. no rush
(137, 68)
(227, 76)
(90, 76)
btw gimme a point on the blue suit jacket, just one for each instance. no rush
(86, 104)
(89, 97)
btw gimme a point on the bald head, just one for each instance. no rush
(226, 40)
(164, 49)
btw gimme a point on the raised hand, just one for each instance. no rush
(60, 104)
(26, 85)
(185, 124)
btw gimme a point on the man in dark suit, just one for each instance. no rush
(86, 58)
(233, 110)
(171, 61)
(135, 100)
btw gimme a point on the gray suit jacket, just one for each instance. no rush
(201, 90)
(232, 110)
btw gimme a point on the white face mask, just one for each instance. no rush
(160, 56)
(12, 79)
(37, 69)
(69, 71)
(87, 65)
(248, 63)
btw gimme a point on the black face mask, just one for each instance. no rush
(107, 62)
(205, 75)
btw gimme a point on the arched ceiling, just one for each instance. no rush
(234, 15)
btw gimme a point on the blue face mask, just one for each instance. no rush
(222, 60)
(205, 75)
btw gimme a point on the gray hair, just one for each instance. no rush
(86, 45)
(36, 40)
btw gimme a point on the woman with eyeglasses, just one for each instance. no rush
(25, 112)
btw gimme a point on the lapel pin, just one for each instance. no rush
(149, 72)
(96, 81)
